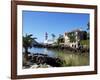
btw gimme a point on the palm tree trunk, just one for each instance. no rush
(26, 53)
(26, 50)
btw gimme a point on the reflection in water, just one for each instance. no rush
(71, 58)
(45, 51)
(51, 53)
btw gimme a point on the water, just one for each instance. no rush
(51, 53)
(71, 58)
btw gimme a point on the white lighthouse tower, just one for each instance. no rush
(46, 38)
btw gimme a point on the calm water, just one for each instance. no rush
(51, 53)
(76, 59)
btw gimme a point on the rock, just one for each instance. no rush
(55, 62)
(41, 59)
(40, 66)
(34, 66)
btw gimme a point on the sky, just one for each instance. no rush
(38, 23)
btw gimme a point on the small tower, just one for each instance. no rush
(46, 36)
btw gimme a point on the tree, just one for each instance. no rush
(28, 42)
(88, 25)
(53, 36)
(88, 28)
(72, 37)
(60, 39)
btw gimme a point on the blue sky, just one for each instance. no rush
(37, 23)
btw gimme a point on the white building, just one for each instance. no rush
(48, 42)
(67, 40)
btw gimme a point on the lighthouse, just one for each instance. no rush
(46, 40)
(46, 36)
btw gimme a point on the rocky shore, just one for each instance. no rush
(38, 60)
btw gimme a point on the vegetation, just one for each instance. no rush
(60, 39)
(70, 59)
(88, 25)
(88, 28)
(53, 36)
(28, 42)
(72, 37)
(85, 42)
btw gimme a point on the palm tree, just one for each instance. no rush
(88, 28)
(53, 36)
(28, 42)
(88, 25)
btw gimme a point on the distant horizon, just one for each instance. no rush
(38, 23)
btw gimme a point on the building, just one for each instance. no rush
(49, 41)
(73, 38)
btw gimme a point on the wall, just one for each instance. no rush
(5, 35)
